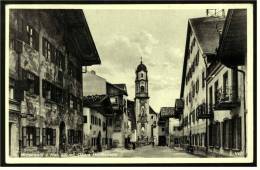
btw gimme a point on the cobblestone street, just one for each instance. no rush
(143, 152)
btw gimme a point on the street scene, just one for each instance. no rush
(127, 83)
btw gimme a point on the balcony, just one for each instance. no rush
(179, 106)
(226, 99)
(202, 113)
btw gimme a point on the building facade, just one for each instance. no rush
(45, 87)
(227, 89)
(201, 42)
(97, 133)
(117, 93)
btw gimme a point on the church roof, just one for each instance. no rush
(141, 67)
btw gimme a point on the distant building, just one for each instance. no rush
(117, 94)
(163, 125)
(97, 130)
(145, 118)
(46, 52)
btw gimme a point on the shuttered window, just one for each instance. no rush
(236, 143)
(44, 140)
(217, 135)
(24, 137)
(37, 136)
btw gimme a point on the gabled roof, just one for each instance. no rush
(121, 86)
(98, 102)
(151, 111)
(120, 90)
(167, 112)
(206, 33)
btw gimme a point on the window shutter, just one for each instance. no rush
(43, 46)
(239, 133)
(54, 136)
(36, 40)
(230, 135)
(37, 136)
(43, 136)
(24, 134)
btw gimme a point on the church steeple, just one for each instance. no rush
(141, 81)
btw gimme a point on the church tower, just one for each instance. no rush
(142, 103)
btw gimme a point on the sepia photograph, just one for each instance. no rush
(129, 83)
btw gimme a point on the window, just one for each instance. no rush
(216, 91)
(45, 48)
(29, 136)
(203, 79)
(85, 119)
(227, 134)
(142, 75)
(50, 136)
(225, 84)
(197, 86)
(11, 93)
(142, 88)
(44, 137)
(70, 136)
(217, 135)
(210, 97)
(37, 136)
(32, 83)
(162, 129)
(236, 131)
(32, 37)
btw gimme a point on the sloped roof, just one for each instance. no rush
(122, 87)
(94, 99)
(151, 111)
(118, 87)
(167, 111)
(233, 44)
(206, 32)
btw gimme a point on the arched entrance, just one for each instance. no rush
(99, 146)
(62, 137)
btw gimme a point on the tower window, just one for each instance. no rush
(142, 88)
(142, 75)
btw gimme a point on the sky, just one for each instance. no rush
(123, 36)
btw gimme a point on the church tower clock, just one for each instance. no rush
(142, 103)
